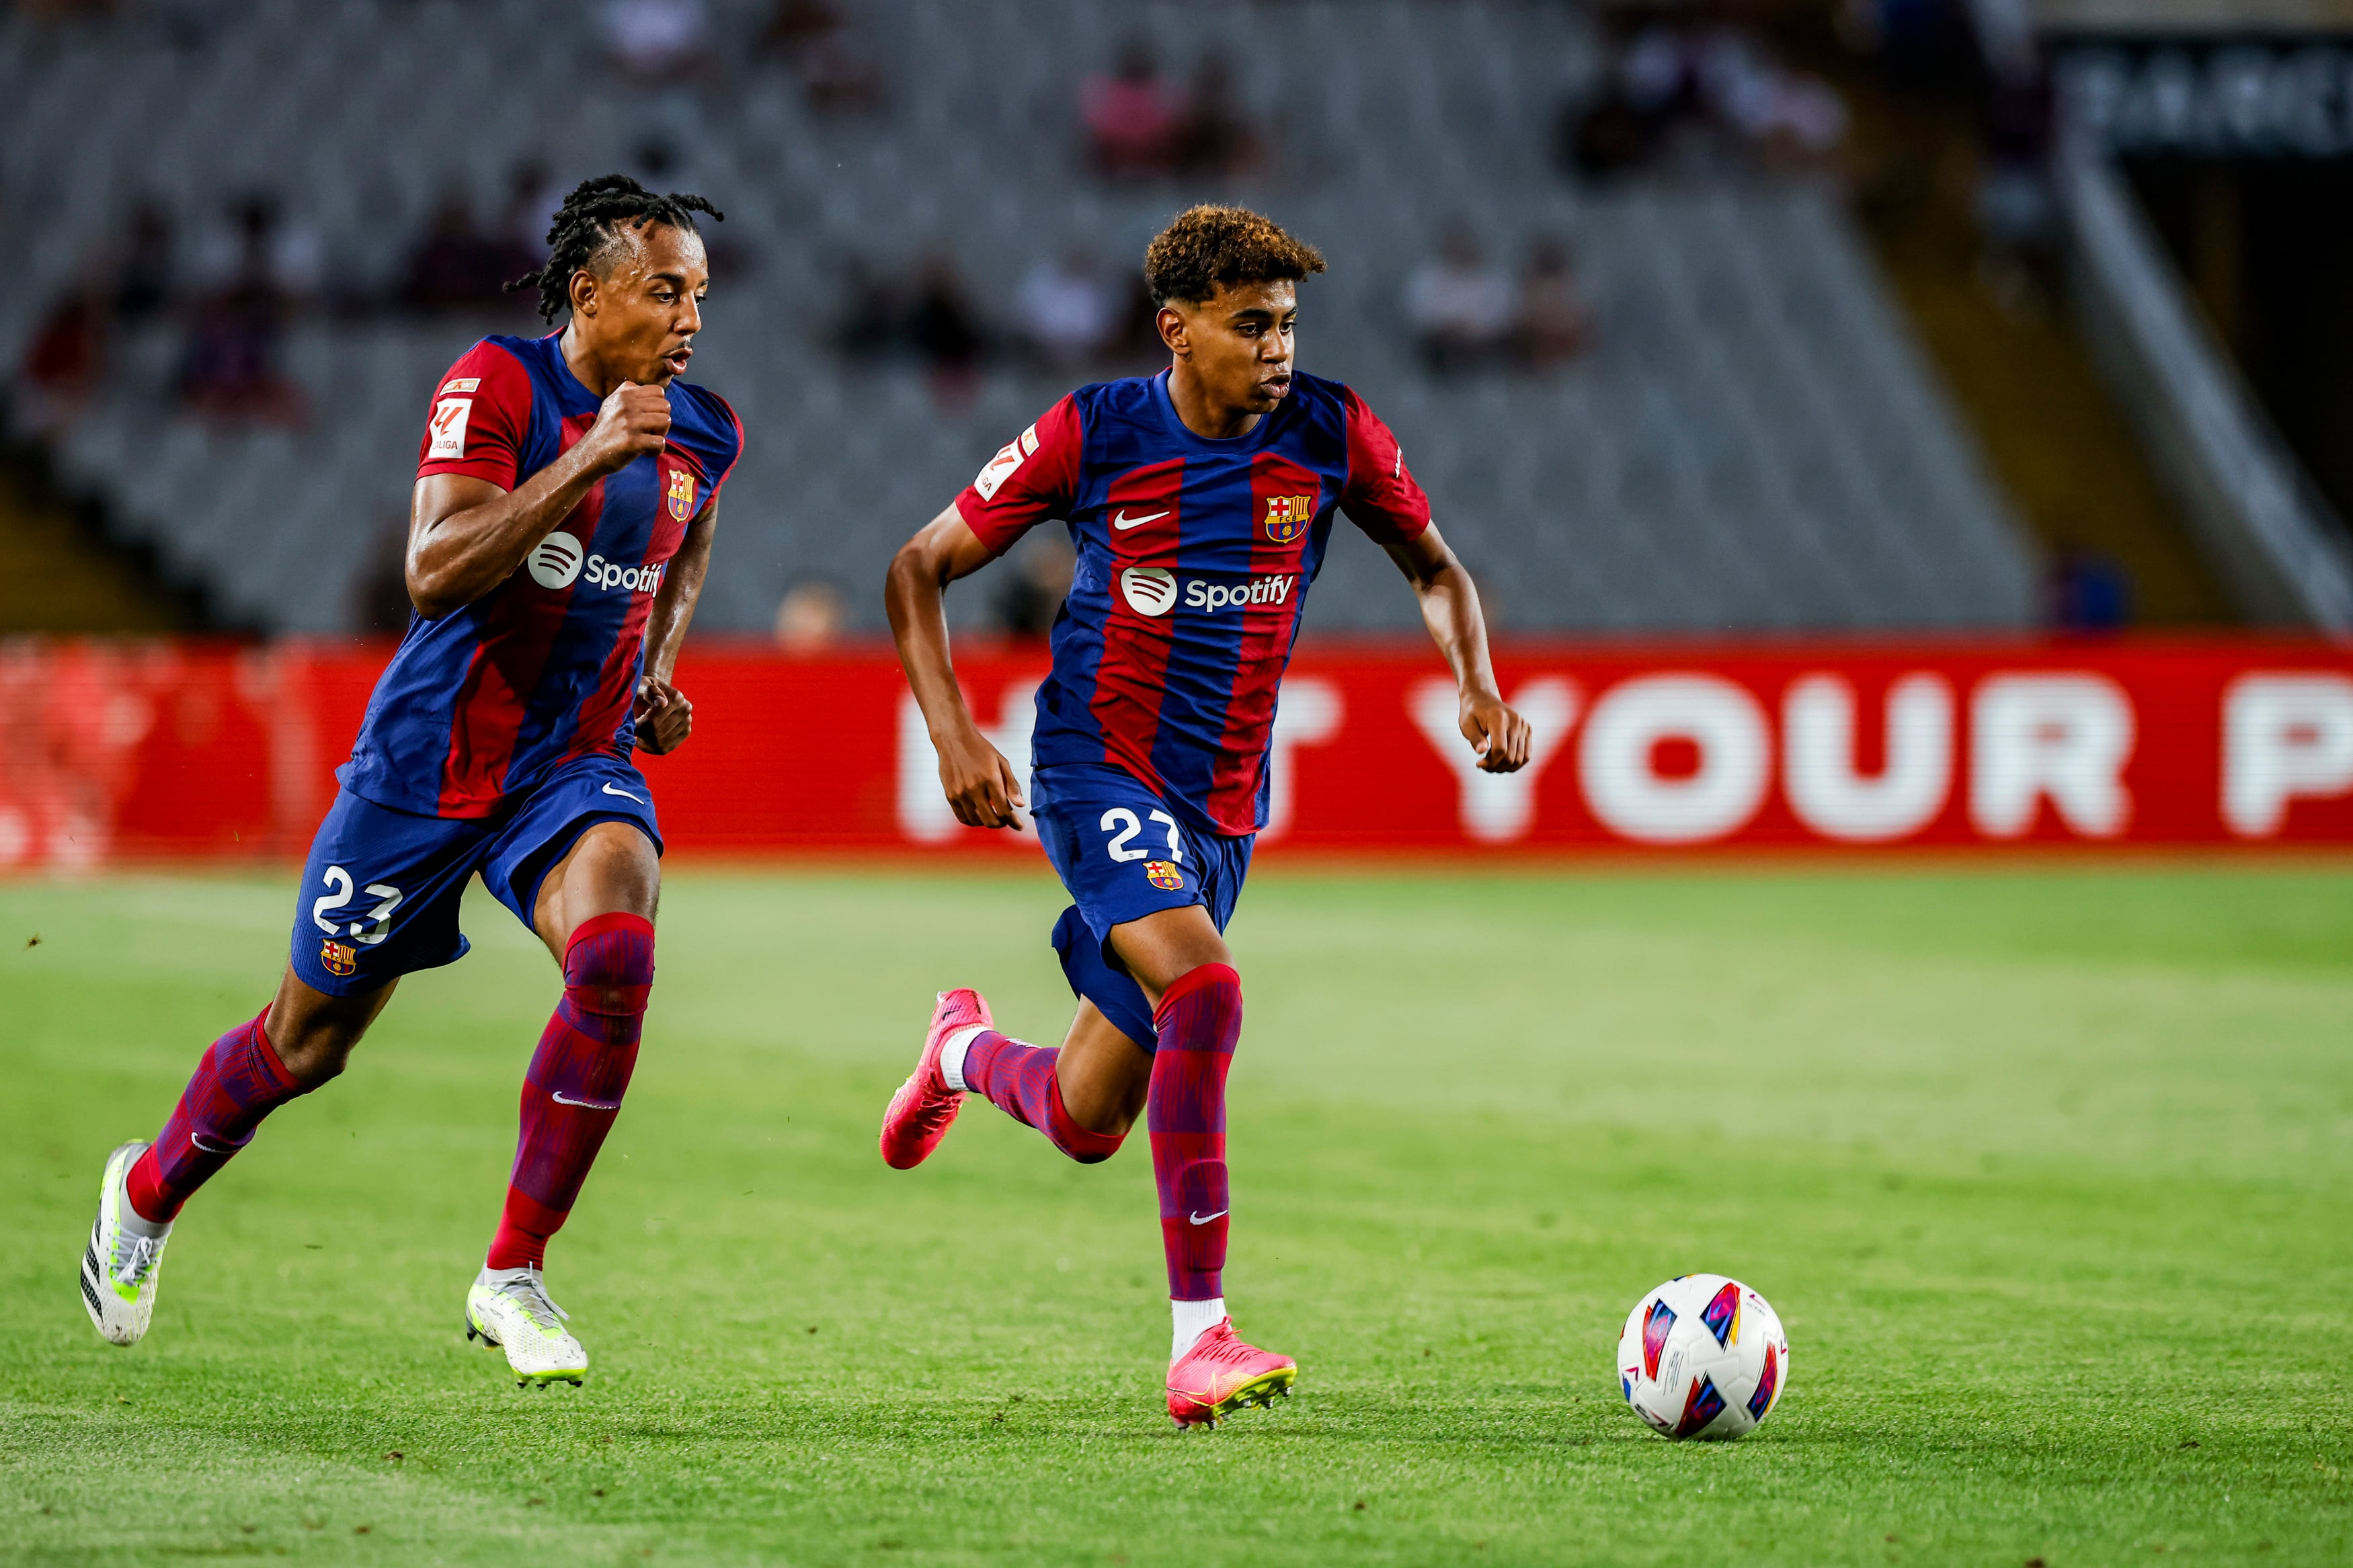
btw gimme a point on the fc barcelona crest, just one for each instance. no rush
(1163, 874)
(1287, 517)
(338, 958)
(681, 494)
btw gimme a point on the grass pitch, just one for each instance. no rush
(2050, 1172)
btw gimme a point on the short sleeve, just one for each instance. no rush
(734, 425)
(1033, 477)
(1382, 497)
(480, 415)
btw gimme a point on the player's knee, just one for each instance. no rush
(1089, 1145)
(1214, 976)
(317, 1052)
(608, 965)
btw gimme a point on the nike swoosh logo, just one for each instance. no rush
(198, 1140)
(563, 1099)
(624, 794)
(1206, 1218)
(1123, 521)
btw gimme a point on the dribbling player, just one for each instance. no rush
(566, 493)
(1202, 501)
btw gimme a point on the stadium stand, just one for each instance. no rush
(1753, 442)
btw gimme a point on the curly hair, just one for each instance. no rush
(589, 223)
(1208, 248)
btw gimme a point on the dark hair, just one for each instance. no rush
(1209, 247)
(588, 224)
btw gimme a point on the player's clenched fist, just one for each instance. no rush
(1496, 731)
(663, 716)
(632, 421)
(979, 782)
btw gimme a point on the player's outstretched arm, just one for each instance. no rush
(466, 535)
(978, 781)
(1450, 608)
(664, 717)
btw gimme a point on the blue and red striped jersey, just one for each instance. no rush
(1194, 557)
(482, 703)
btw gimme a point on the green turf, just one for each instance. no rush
(2050, 1173)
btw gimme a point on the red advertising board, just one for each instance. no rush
(145, 750)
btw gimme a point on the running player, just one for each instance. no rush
(566, 491)
(1202, 501)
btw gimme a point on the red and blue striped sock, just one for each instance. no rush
(239, 1081)
(577, 1077)
(1020, 1080)
(1200, 1019)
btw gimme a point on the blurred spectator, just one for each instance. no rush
(928, 315)
(1033, 592)
(455, 267)
(942, 325)
(1132, 117)
(1460, 309)
(823, 49)
(143, 280)
(2090, 591)
(256, 247)
(532, 198)
(1553, 326)
(62, 364)
(1213, 138)
(2017, 210)
(230, 368)
(1684, 94)
(872, 325)
(1067, 310)
(810, 617)
(657, 40)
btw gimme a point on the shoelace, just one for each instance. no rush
(1226, 1346)
(146, 1251)
(530, 1291)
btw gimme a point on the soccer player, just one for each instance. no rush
(1201, 502)
(568, 488)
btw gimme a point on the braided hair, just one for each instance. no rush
(590, 222)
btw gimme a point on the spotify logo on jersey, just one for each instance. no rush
(1151, 590)
(556, 562)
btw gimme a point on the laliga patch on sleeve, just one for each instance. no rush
(999, 468)
(449, 427)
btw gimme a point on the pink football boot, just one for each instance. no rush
(1220, 1374)
(925, 1107)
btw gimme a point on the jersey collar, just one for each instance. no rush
(1258, 436)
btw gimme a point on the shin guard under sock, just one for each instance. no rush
(239, 1081)
(1020, 1080)
(1200, 1019)
(577, 1078)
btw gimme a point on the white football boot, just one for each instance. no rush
(510, 1309)
(118, 1266)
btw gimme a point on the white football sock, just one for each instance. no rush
(1194, 1319)
(952, 1056)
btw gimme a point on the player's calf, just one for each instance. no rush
(1025, 1082)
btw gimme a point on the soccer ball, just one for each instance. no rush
(1703, 1356)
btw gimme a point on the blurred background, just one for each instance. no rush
(1747, 315)
(1736, 319)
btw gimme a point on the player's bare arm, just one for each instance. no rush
(980, 784)
(664, 717)
(1450, 608)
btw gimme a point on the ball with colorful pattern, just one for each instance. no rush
(1703, 1356)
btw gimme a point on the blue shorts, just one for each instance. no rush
(1123, 855)
(380, 893)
